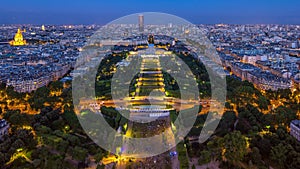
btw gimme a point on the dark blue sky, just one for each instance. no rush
(195, 11)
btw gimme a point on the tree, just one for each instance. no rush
(27, 137)
(58, 124)
(11, 93)
(284, 115)
(226, 123)
(228, 106)
(2, 86)
(282, 134)
(293, 159)
(98, 157)
(100, 166)
(73, 140)
(284, 93)
(54, 162)
(255, 155)
(71, 119)
(53, 115)
(56, 86)
(215, 147)
(18, 144)
(79, 153)
(263, 103)
(42, 92)
(16, 118)
(235, 146)
(205, 157)
(278, 154)
(2, 159)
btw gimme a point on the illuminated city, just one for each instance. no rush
(150, 90)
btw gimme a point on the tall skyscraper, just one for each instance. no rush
(141, 23)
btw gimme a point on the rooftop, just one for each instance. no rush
(296, 123)
(3, 123)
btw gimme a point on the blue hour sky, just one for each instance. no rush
(195, 11)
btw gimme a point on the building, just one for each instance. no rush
(263, 80)
(29, 84)
(43, 28)
(18, 39)
(295, 129)
(147, 113)
(4, 127)
(250, 59)
(141, 23)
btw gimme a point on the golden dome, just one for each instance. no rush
(18, 39)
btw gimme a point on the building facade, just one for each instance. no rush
(4, 127)
(295, 129)
(141, 23)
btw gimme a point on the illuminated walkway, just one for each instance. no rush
(150, 77)
(149, 109)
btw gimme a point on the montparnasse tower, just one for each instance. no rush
(18, 39)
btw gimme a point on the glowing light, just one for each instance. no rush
(67, 127)
(18, 39)
(125, 126)
(43, 28)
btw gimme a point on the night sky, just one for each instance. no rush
(195, 11)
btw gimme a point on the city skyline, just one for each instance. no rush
(105, 85)
(93, 12)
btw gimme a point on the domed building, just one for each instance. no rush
(18, 39)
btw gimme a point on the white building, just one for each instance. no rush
(4, 127)
(295, 129)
